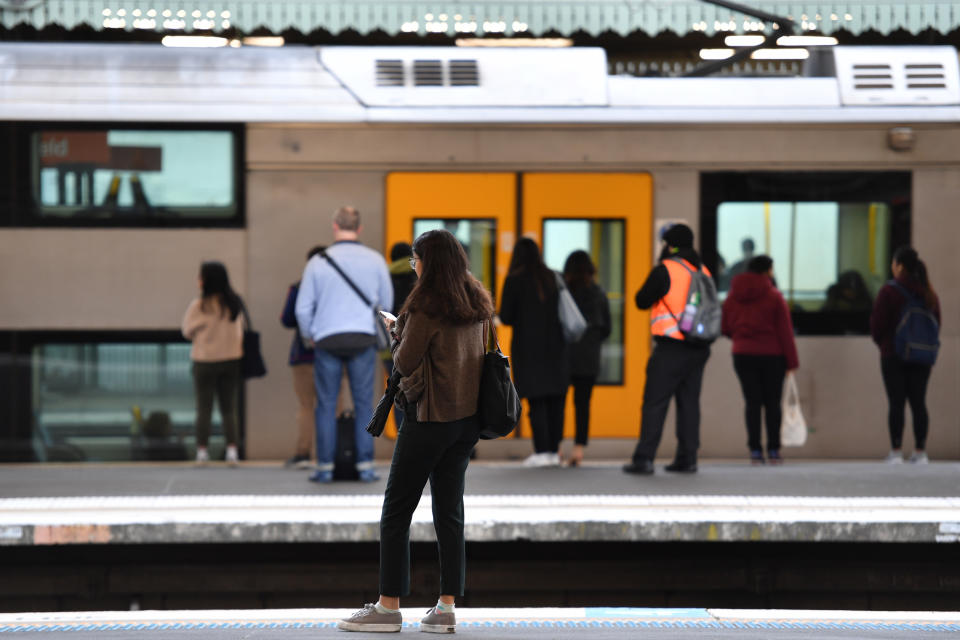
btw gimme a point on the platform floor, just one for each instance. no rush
(715, 478)
(595, 623)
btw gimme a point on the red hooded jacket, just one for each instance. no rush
(756, 317)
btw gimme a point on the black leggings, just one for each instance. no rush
(761, 378)
(546, 422)
(582, 391)
(906, 383)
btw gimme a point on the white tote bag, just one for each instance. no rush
(793, 429)
(571, 320)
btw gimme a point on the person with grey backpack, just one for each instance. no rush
(684, 321)
(905, 324)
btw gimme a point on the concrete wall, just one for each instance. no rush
(93, 279)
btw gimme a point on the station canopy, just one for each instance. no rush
(479, 17)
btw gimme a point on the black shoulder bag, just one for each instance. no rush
(383, 336)
(499, 401)
(251, 363)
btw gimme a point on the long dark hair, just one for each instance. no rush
(908, 258)
(216, 286)
(526, 259)
(578, 270)
(446, 288)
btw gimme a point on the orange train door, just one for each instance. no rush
(479, 208)
(609, 215)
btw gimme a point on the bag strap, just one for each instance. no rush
(346, 278)
(246, 314)
(906, 292)
(682, 263)
(493, 331)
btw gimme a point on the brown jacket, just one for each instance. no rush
(448, 358)
(215, 337)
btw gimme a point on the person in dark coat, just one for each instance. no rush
(584, 355)
(756, 318)
(903, 381)
(538, 354)
(301, 364)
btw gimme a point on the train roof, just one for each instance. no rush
(152, 83)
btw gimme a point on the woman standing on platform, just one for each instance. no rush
(213, 323)
(438, 348)
(538, 352)
(579, 274)
(756, 317)
(904, 381)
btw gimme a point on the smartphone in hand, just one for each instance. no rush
(388, 316)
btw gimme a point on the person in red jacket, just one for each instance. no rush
(756, 317)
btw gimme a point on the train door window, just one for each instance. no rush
(831, 236)
(478, 238)
(603, 240)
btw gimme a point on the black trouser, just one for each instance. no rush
(220, 379)
(674, 370)
(906, 382)
(582, 390)
(761, 378)
(440, 452)
(546, 422)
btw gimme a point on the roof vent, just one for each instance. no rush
(464, 73)
(427, 73)
(389, 73)
(897, 76)
(926, 76)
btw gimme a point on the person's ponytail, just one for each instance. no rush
(929, 296)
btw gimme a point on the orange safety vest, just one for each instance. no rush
(666, 312)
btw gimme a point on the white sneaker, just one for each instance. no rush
(202, 456)
(919, 457)
(232, 456)
(894, 457)
(532, 460)
(553, 459)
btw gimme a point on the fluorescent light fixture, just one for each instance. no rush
(715, 54)
(514, 42)
(806, 41)
(264, 41)
(780, 54)
(194, 41)
(743, 41)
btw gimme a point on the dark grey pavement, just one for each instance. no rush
(815, 479)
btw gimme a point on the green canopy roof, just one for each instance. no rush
(479, 16)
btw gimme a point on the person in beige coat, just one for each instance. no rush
(214, 324)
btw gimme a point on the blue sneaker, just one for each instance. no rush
(323, 477)
(368, 475)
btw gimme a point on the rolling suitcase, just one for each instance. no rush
(345, 460)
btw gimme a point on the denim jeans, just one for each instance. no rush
(327, 373)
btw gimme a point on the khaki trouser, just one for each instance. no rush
(306, 405)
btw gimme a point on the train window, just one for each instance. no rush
(115, 398)
(478, 237)
(603, 239)
(830, 235)
(138, 175)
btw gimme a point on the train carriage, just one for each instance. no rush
(124, 166)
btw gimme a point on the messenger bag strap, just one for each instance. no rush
(346, 278)
(246, 314)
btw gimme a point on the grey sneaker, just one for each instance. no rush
(438, 622)
(370, 620)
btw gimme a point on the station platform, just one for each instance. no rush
(176, 503)
(600, 623)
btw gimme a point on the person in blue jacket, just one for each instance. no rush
(301, 364)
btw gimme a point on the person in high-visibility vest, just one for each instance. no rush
(675, 368)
